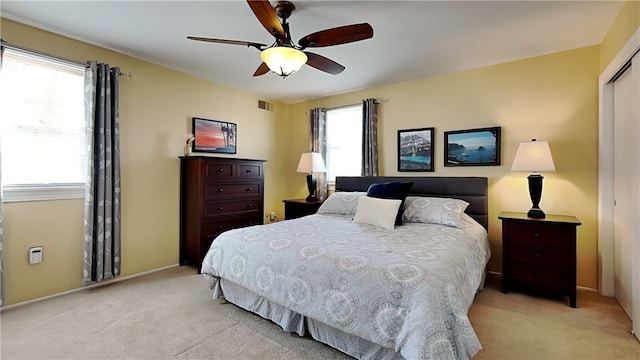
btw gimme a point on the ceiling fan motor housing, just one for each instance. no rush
(284, 9)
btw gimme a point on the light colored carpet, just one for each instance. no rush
(171, 315)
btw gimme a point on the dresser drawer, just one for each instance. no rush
(220, 224)
(249, 171)
(547, 235)
(213, 208)
(543, 255)
(218, 170)
(214, 190)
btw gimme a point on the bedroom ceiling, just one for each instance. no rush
(412, 39)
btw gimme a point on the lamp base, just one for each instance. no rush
(536, 213)
(311, 185)
(535, 191)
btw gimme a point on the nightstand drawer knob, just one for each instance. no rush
(220, 169)
(537, 254)
(536, 235)
(250, 189)
(221, 190)
(248, 171)
(220, 208)
(250, 205)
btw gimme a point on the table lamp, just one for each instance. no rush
(311, 163)
(534, 156)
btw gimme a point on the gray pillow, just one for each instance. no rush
(341, 203)
(434, 210)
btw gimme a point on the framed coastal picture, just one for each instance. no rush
(214, 136)
(415, 149)
(472, 147)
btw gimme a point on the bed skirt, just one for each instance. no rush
(293, 322)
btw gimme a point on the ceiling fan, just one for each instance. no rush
(284, 57)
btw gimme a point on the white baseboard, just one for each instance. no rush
(92, 286)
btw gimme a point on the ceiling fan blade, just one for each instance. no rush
(324, 64)
(262, 69)
(267, 16)
(231, 42)
(337, 36)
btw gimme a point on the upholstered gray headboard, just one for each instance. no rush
(473, 190)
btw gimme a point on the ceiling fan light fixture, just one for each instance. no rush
(283, 60)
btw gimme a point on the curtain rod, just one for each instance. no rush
(126, 75)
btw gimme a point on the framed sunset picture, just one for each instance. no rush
(214, 136)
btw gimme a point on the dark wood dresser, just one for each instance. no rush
(295, 208)
(539, 255)
(216, 195)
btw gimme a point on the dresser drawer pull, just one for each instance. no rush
(536, 235)
(220, 227)
(250, 205)
(220, 208)
(220, 169)
(250, 189)
(221, 190)
(537, 254)
(248, 171)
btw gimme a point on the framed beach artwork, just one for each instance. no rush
(415, 149)
(472, 147)
(214, 136)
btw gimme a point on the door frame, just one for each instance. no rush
(605, 178)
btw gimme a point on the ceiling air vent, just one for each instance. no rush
(265, 105)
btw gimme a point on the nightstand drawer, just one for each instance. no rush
(537, 254)
(549, 235)
(538, 274)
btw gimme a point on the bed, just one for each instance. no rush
(347, 279)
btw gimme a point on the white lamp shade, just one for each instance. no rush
(283, 60)
(311, 162)
(533, 156)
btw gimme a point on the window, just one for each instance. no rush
(42, 127)
(344, 142)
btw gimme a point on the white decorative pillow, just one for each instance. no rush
(378, 212)
(341, 203)
(434, 210)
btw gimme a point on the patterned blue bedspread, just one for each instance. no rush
(407, 289)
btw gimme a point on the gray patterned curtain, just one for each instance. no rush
(369, 137)
(102, 195)
(318, 143)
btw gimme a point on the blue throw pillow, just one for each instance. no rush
(396, 190)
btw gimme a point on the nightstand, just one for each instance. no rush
(539, 255)
(296, 208)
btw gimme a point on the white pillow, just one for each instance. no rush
(341, 203)
(434, 210)
(378, 212)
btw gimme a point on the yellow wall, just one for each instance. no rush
(627, 22)
(156, 107)
(553, 97)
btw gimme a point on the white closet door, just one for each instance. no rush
(624, 158)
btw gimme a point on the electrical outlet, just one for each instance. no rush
(272, 216)
(35, 255)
